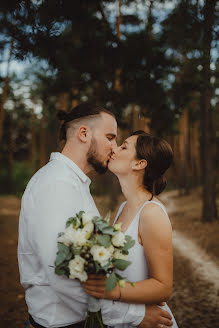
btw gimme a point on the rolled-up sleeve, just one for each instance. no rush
(118, 313)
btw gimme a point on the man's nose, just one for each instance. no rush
(114, 147)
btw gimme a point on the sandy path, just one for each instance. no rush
(199, 260)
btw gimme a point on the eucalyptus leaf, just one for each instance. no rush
(63, 248)
(121, 264)
(129, 243)
(97, 266)
(60, 258)
(101, 225)
(111, 281)
(104, 240)
(108, 230)
(59, 271)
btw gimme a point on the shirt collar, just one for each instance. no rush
(72, 165)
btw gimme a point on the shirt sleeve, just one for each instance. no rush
(116, 313)
(50, 208)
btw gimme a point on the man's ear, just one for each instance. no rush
(140, 165)
(83, 133)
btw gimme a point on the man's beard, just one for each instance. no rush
(92, 159)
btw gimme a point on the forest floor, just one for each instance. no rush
(195, 300)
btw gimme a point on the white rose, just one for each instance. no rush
(88, 228)
(100, 254)
(80, 238)
(118, 239)
(119, 255)
(87, 217)
(68, 237)
(76, 267)
(111, 249)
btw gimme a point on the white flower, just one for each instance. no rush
(87, 217)
(118, 239)
(117, 226)
(68, 237)
(111, 249)
(119, 255)
(100, 254)
(80, 237)
(88, 228)
(76, 267)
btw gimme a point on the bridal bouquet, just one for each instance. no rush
(90, 245)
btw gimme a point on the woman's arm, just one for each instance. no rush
(156, 236)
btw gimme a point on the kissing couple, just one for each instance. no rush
(60, 189)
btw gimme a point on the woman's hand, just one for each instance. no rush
(96, 286)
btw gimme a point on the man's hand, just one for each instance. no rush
(156, 317)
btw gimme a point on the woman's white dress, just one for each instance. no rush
(138, 269)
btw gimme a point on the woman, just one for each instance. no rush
(140, 163)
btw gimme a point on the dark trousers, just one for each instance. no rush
(74, 325)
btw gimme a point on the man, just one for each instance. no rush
(57, 191)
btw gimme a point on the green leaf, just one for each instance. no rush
(63, 248)
(59, 271)
(62, 254)
(121, 264)
(111, 282)
(97, 266)
(101, 225)
(107, 217)
(60, 258)
(104, 240)
(108, 231)
(76, 250)
(70, 221)
(79, 215)
(69, 256)
(119, 277)
(129, 243)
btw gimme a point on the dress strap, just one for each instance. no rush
(154, 202)
(119, 211)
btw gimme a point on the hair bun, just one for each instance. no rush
(62, 115)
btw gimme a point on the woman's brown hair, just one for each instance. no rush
(159, 156)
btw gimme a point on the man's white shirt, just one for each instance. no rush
(56, 192)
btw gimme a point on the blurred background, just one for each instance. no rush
(154, 63)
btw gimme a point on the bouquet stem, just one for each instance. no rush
(94, 318)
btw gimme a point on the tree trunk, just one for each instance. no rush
(4, 93)
(209, 175)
